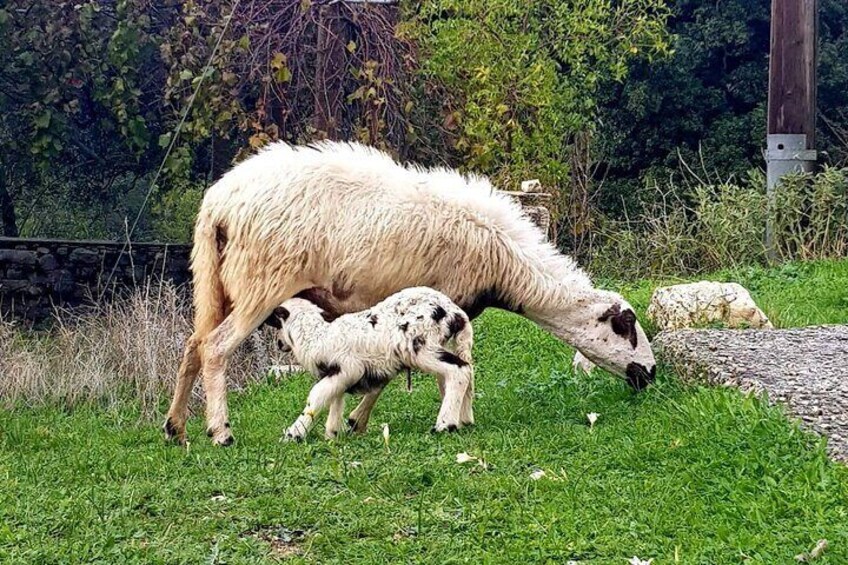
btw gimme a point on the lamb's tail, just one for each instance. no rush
(210, 299)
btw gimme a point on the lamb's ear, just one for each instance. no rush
(276, 319)
(623, 323)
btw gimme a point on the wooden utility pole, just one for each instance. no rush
(792, 94)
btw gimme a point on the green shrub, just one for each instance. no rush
(708, 227)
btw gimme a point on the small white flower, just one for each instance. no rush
(537, 474)
(219, 498)
(464, 458)
(368, 500)
(355, 464)
(636, 561)
(593, 417)
(386, 434)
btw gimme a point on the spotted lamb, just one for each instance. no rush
(360, 353)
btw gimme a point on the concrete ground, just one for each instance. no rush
(806, 369)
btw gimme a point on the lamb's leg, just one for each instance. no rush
(440, 382)
(334, 419)
(323, 393)
(457, 376)
(178, 412)
(466, 413)
(358, 420)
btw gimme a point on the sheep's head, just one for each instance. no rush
(604, 328)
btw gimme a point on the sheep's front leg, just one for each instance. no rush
(358, 420)
(334, 418)
(326, 391)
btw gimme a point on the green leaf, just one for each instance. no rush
(43, 120)
(186, 74)
(165, 140)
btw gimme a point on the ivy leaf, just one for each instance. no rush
(43, 120)
(186, 74)
(165, 140)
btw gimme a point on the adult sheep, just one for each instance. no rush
(348, 219)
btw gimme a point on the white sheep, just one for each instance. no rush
(347, 223)
(360, 353)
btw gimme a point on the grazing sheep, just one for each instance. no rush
(360, 353)
(355, 227)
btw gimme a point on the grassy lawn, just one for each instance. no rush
(678, 474)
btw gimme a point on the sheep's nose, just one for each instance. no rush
(640, 377)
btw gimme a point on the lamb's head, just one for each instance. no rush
(604, 328)
(285, 314)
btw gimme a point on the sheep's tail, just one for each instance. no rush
(464, 340)
(210, 299)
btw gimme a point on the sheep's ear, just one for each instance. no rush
(623, 323)
(282, 313)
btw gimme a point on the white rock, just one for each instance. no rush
(531, 185)
(703, 303)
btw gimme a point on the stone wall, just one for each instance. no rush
(37, 274)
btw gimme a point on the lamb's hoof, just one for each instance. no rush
(353, 427)
(173, 433)
(291, 437)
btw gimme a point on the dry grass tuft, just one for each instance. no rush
(125, 349)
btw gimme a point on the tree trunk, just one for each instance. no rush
(331, 71)
(7, 209)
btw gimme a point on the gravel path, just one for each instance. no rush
(807, 369)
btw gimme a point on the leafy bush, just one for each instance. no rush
(707, 227)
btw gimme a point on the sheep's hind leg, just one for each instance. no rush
(358, 420)
(322, 394)
(175, 423)
(334, 419)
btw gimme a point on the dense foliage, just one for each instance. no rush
(602, 100)
(80, 110)
(706, 103)
(91, 92)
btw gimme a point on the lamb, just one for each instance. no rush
(360, 353)
(346, 223)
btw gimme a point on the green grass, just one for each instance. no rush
(678, 474)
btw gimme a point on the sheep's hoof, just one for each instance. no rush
(223, 439)
(449, 428)
(173, 433)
